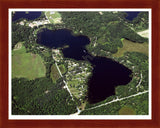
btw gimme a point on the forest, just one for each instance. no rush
(40, 97)
(141, 22)
(20, 33)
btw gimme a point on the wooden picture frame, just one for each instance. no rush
(5, 5)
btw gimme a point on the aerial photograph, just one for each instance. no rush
(79, 62)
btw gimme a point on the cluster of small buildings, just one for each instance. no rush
(34, 23)
(57, 55)
(77, 73)
(37, 23)
(77, 76)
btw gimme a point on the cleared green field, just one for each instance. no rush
(27, 65)
(62, 68)
(129, 46)
(72, 87)
(126, 111)
(54, 73)
(54, 17)
(74, 91)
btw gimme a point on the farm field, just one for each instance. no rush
(27, 65)
(53, 17)
(129, 46)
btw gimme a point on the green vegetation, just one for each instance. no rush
(27, 65)
(62, 69)
(40, 97)
(104, 31)
(129, 46)
(35, 96)
(76, 76)
(46, 53)
(74, 91)
(45, 95)
(126, 110)
(54, 17)
(20, 33)
(141, 22)
(74, 88)
(137, 105)
(54, 73)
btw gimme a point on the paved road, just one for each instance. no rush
(138, 85)
(66, 86)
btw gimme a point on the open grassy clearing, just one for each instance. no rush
(83, 105)
(54, 73)
(46, 53)
(26, 65)
(53, 16)
(126, 110)
(74, 91)
(62, 68)
(129, 46)
(72, 87)
(73, 83)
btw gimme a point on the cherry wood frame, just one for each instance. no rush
(6, 4)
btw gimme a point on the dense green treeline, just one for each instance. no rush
(40, 97)
(142, 66)
(141, 22)
(138, 104)
(20, 33)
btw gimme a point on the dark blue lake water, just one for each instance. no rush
(106, 74)
(63, 37)
(27, 16)
(132, 15)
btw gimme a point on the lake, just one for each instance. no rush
(106, 73)
(63, 37)
(25, 15)
(131, 15)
